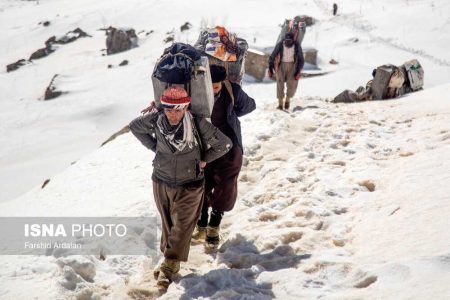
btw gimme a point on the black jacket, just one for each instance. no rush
(299, 60)
(243, 104)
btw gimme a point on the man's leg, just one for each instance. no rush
(224, 194)
(209, 186)
(163, 198)
(280, 86)
(162, 201)
(226, 175)
(199, 234)
(184, 209)
(291, 84)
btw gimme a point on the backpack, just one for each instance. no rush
(414, 72)
(177, 64)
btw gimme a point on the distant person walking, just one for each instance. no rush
(286, 62)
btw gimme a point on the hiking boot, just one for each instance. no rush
(287, 103)
(212, 236)
(199, 233)
(165, 273)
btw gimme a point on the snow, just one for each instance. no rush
(305, 226)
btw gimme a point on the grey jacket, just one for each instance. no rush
(175, 167)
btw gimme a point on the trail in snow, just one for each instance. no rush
(300, 180)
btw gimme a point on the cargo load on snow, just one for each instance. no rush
(389, 81)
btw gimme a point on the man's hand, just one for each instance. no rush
(148, 109)
(270, 73)
(202, 164)
(297, 76)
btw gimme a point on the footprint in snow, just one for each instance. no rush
(267, 216)
(340, 211)
(256, 158)
(338, 163)
(291, 237)
(263, 137)
(365, 281)
(310, 129)
(344, 143)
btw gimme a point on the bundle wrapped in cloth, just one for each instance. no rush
(225, 49)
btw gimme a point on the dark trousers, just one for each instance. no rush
(179, 208)
(221, 190)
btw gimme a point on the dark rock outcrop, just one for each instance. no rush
(40, 53)
(43, 52)
(120, 39)
(16, 65)
(185, 26)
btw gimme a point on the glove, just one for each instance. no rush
(270, 72)
(297, 76)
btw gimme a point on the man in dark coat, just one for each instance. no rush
(221, 175)
(287, 62)
(183, 145)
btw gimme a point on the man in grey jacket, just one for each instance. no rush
(183, 145)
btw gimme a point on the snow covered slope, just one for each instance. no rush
(305, 225)
(48, 136)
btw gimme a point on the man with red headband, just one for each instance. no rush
(183, 145)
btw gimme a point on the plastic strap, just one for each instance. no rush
(229, 88)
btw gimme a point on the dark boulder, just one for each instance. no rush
(185, 26)
(40, 53)
(16, 65)
(120, 39)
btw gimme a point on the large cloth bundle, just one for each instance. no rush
(294, 26)
(225, 49)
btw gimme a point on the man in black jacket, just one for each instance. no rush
(222, 174)
(287, 61)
